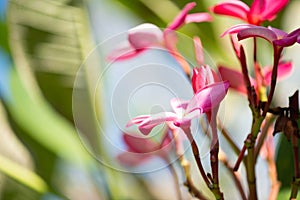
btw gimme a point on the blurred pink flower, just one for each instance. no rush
(147, 35)
(259, 11)
(236, 79)
(141, 149)
(184, 111)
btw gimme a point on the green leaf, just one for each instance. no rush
(44, 124)
(22, 175)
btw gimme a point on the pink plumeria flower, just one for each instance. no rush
(260, 10)
(141, 149)
(275, 36)
(203, 76)
(278, 38)
(147, 35)
(184, 111)
(236, 79)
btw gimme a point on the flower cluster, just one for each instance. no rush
(210, 89)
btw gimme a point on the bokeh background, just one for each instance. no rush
(58, 127)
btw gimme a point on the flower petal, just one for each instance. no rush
(139, 144)
(284, 70)
(170, 39)
(149, 123)
(198, 51)
(236, 9)
(294, 33)
(256, 10)
(137, 120)
(272, 7)
(234, 77)
(237, 28)
(203, 76)
(144, 36)
(208, 97)
(123, 52)
(257, 31)
(198, 17)
(179, 105)
(131, 159)
(279, 33)
(179, 20)
(289, 39)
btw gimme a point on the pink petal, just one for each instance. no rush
(186, 120)
(284, 70)
(170, 39)
(279, 33)
(234, 77)
(179, 105)
(208, 97)
(236, 9)
(198, 17)
(257, 31)
(294, 33)
(123, 52)
(198, 51)
(140, 145)
(149, 123)
(289, 39)
(180, 18)
(237, 28)
(236, 45)
(256, 10)
(137, 120)
(132, 159)
(144, 36)
(272, 7)
(202, 76)
(166, 142)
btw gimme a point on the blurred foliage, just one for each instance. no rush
(3, 37)
(46, 46)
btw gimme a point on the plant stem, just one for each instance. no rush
(268, 122)
(243, 62)
(240, 158)
(213, 186)
(229, 139)
(214, 162)
(250, 158)
(176, 181)
(189, 183)
(186, 168)
(277, 52)
(214, 153)
(254, 50)
(196, 154)
(236, 179)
